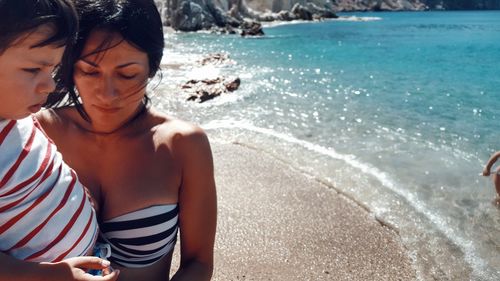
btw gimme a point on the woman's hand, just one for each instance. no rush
(76, 269)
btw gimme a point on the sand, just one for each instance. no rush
(277, 223)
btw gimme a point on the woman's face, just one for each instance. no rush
(111, 83)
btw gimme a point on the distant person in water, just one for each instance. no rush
(495, 174)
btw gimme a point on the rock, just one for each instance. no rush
(301, 12)
(319, 12)
(380, 5)
(329, 15)
(216, 58)
(219, 16)
(197, 15)
(251, 28)
(233, 22)
(286, 16)
(232, 84)
(223, 30)
(203, 95)
(207, 89)
(189, 17)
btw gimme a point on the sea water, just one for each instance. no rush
(396, 111)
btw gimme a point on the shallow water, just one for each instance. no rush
(399, 112)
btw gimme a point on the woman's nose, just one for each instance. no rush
(108, 90)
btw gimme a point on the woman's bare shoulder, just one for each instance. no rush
(169, 125)
(179, 133)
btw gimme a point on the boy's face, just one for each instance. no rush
(26, 74)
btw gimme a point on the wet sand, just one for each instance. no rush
(278, 223)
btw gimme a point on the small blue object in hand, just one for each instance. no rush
(102, 251)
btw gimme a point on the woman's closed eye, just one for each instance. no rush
(88, 72)
(127, 76)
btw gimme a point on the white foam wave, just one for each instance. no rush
(355, 18)
(478, 266)
(340, 18)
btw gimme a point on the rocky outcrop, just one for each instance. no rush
(378, 5)
(463, 4)
(192, 15)
(225, 15)
(251, 28)
(217, 59)
(207, 89)
(337, 5)
(201, 90)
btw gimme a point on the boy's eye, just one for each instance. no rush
(34, 70)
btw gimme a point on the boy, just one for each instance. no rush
(46, 216)
(496, 174)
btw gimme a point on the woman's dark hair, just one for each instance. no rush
(137, 21)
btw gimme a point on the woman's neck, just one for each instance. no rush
(106, 129)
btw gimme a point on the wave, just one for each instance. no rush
(340, 18)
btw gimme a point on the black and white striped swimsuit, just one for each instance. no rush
(142, 237)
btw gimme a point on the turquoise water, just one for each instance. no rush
(398, 111)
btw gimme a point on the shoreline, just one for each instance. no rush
(277, 223)
(434, 239)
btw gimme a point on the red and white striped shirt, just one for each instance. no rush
(45, 214)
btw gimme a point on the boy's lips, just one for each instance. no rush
(35, 108)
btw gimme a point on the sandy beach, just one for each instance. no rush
(277, 223)
(357, 105)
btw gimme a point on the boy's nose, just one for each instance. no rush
(47, 85)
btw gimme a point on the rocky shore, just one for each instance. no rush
(233, 16)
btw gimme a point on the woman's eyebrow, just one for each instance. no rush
(127, 64)
(89, 62)
(119, 66)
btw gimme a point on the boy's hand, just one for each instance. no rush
(76, 269)
(486, 172)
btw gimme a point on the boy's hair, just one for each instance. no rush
(18, 17)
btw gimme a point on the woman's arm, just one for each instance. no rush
(66, 270)
(491, 161)
(198, 207)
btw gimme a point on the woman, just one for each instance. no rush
(149, 173)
